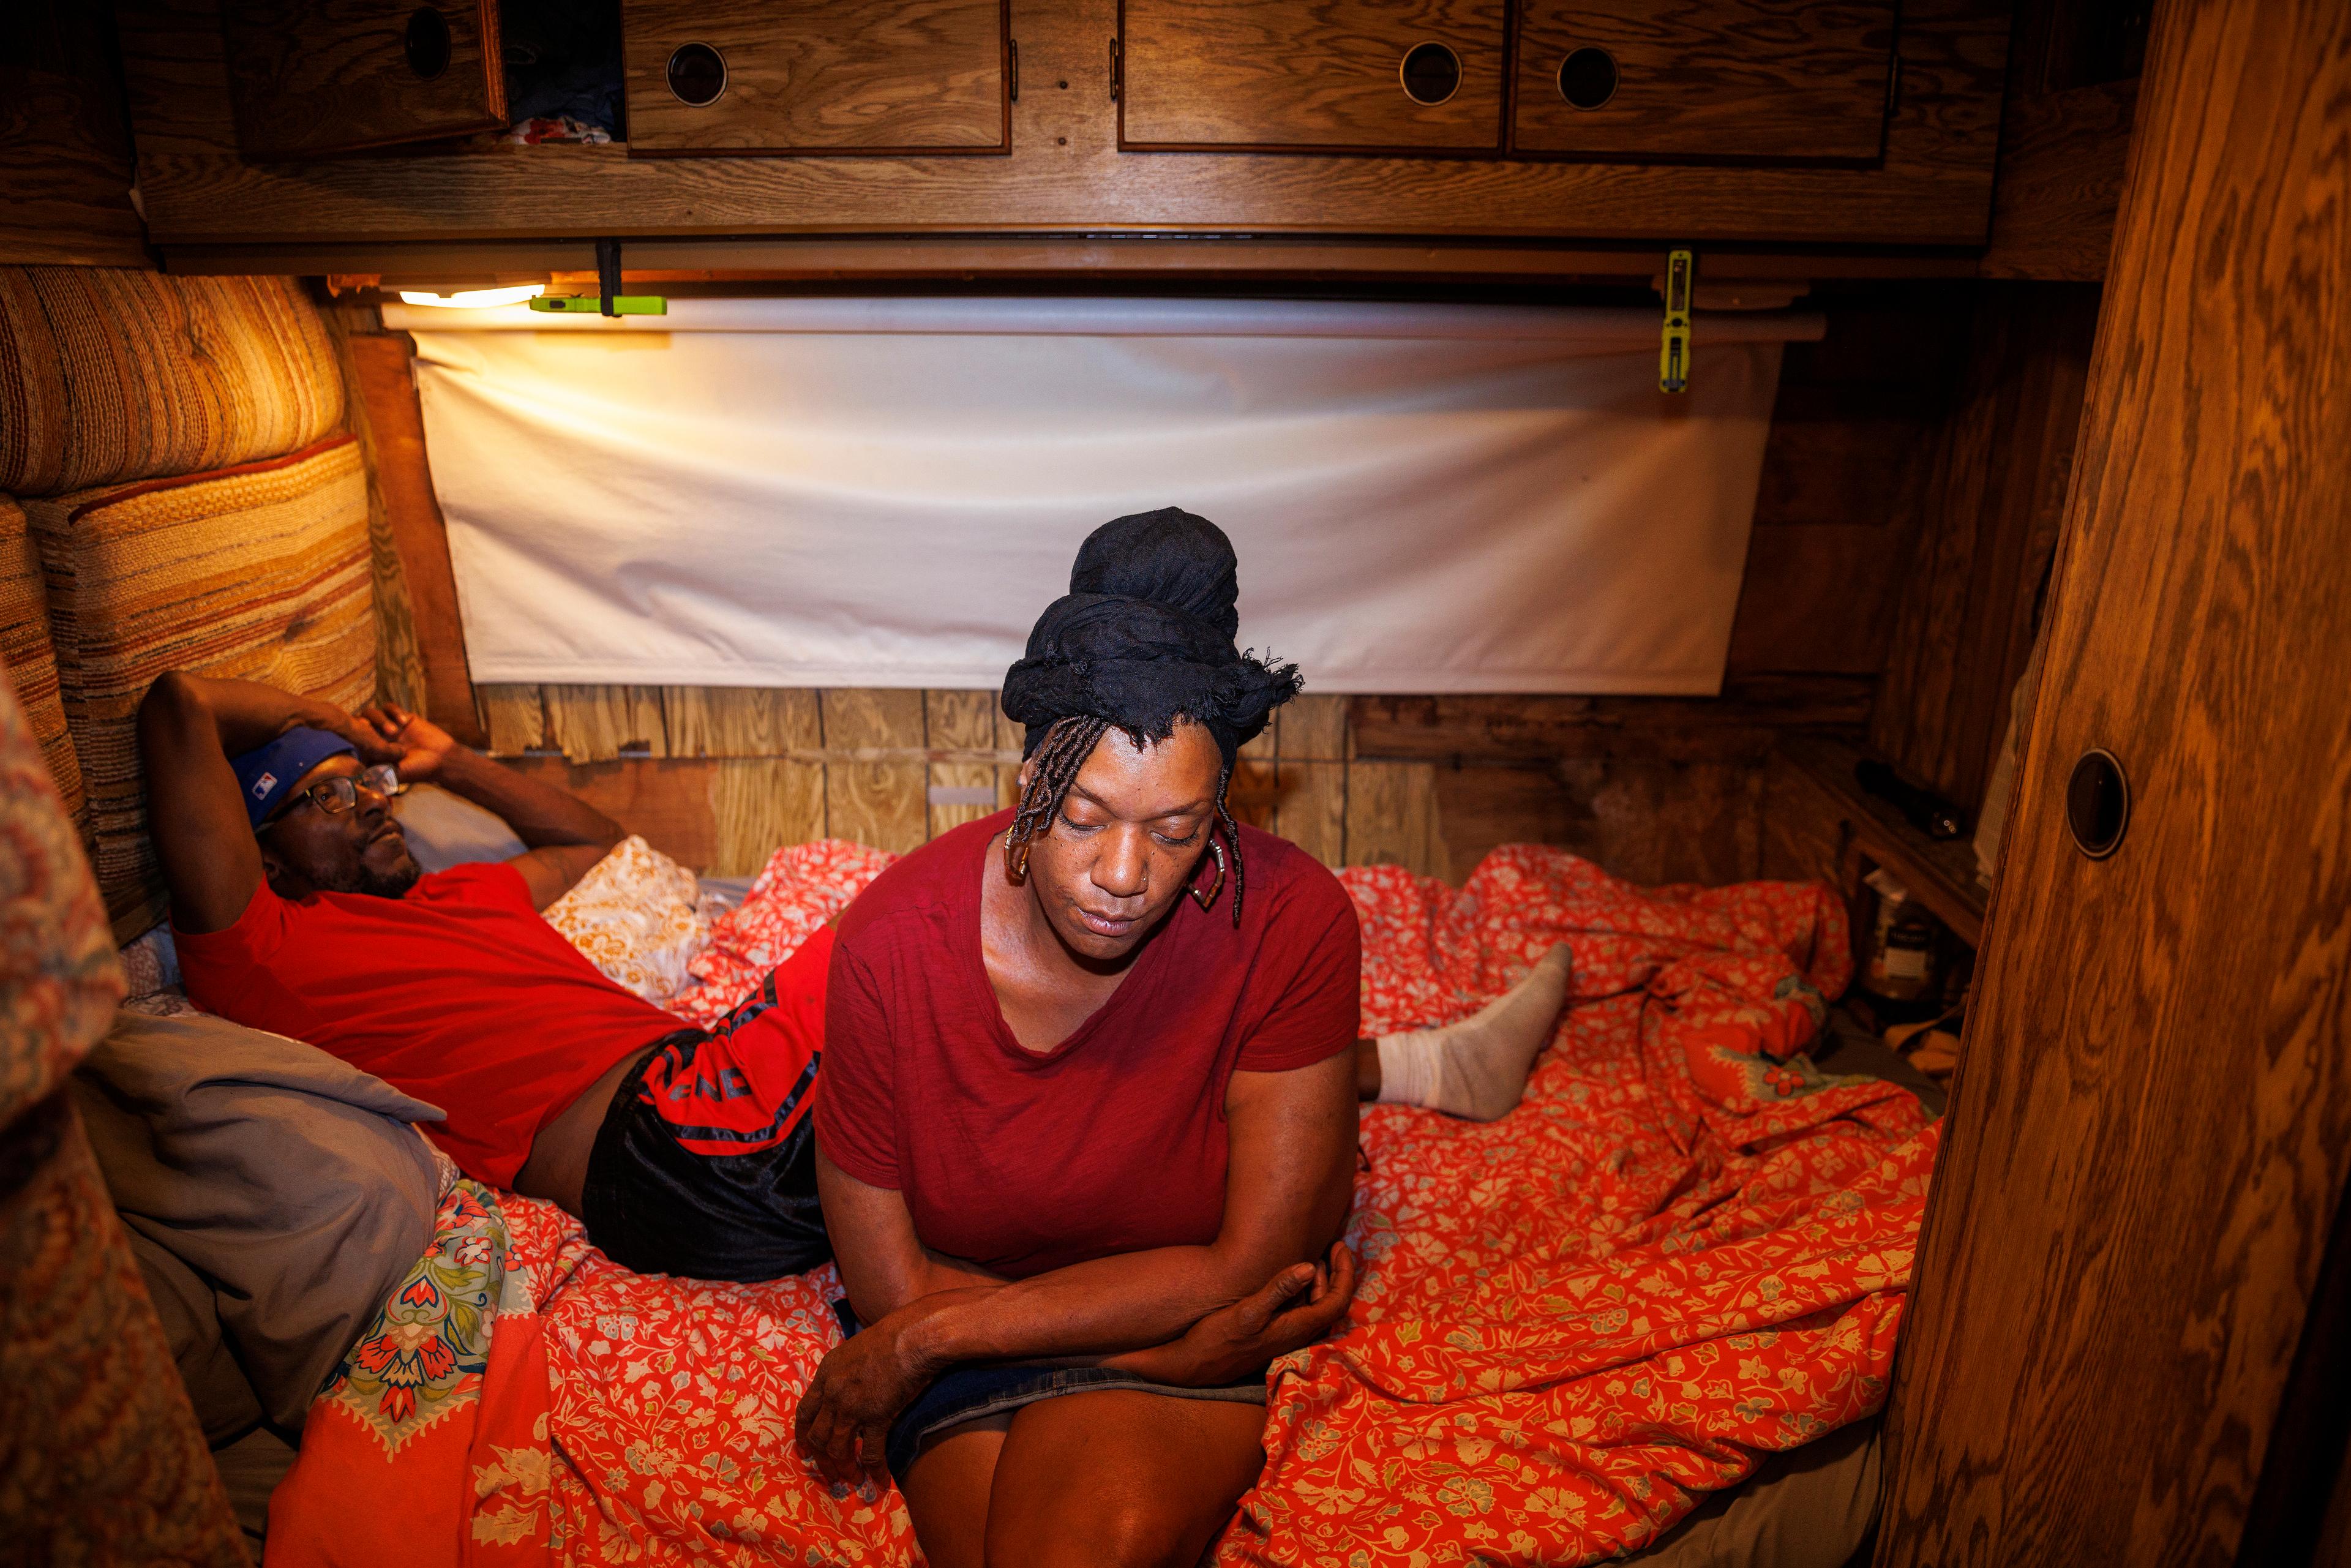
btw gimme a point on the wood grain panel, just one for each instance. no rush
(66, 177)
(2061, 178)
(1730, 81)
(314, 77)
(1313, 728)
(1392, 817)
(1311, 809)
(666, 799)
(964, 721)
(1305, 73)
(758, 806)
(596, 724)
(1067, 177)
(513, 719)
(1743, 725)
(1817, 597)
(739, 721)
(399, 658)
(1966, 615)
(381, 383)
(1659, 822)
(881, 803)
(868, 76)
(2152, 1119)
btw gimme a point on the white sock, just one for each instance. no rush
(1478, 1068)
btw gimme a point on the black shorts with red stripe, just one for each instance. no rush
(705, 1164)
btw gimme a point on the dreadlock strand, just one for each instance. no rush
(1064, 750)
(1232, 837)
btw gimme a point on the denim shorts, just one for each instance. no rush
(963, 1393)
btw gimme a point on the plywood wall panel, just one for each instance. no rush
(513, 719)
(596, 724)
(739, 721)
(758, 806)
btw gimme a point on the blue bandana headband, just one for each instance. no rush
(266, 775)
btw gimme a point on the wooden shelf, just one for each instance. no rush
(1939, 872)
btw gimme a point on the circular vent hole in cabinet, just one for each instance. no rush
(697, 74)
(2098, 803)
(1587, 77)
(426, 42)
(1431, 73)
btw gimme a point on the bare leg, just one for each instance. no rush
(1367, 1069)
(1120, 1479)
(946, 1490)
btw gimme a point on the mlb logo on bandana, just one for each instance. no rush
(264, 785)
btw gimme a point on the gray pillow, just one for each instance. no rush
(445, 830)
(291, 1183)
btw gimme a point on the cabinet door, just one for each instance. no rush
(1714, 80)
(313, 77)
(1343, 75)
(2151, 1128)
(849, 77)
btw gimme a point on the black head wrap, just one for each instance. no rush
(1145, 637)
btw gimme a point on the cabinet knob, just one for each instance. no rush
(2098, 803)
(1587, 77)
(697, 75)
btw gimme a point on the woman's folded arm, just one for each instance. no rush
(1289, 1178)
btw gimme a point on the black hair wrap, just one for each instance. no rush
(1144, 638)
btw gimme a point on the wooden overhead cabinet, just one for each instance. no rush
(870, 77)
(313, 77)
(1343, 76)
(1731, 81)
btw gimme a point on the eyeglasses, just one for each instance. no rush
(335, 796)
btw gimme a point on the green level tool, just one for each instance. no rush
(589, 304)
(1674, 353)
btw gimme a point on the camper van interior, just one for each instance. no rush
(1304, 782)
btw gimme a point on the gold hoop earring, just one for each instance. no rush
(1018, 864)
(1208, 901)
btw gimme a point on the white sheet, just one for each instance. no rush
(1425, 499)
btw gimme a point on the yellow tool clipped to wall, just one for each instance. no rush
(1674, 353)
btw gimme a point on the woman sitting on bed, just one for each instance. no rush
(1086, 1137)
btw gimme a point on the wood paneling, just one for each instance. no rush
(739, 721)
(2061, 177)
(758, 806)
(380, 381)
(881, 803)
(1817, 597)
(1313, 809)
(969, 721)
(1065, 175)
(1964, 620)
(513, 719)
(1392, 816)
(314, 77)
(1741, 726)
(1305, 73)
(1722, 81)
(596, 724)
(2151, 1124)
(870, 77)
(65, 145)
(399, 660)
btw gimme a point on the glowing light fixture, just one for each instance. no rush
(474, 298)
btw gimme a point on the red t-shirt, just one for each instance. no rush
(1114, 1140)
(459, 994)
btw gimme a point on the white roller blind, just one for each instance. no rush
(1425, 499)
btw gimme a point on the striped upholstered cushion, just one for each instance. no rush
(32, 664)
(108, 376)
(259, 572)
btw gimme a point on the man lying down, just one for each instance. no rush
(1090, 1067)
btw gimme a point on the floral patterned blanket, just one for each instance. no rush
(1687, 1248)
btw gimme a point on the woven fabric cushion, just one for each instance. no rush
(109, 375)
(259, 572)
(32, 663)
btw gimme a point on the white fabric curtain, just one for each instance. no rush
(1425, 499)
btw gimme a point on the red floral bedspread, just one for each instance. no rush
(1686, 1248)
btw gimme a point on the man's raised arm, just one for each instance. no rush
(189, 726)
(565, 834)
